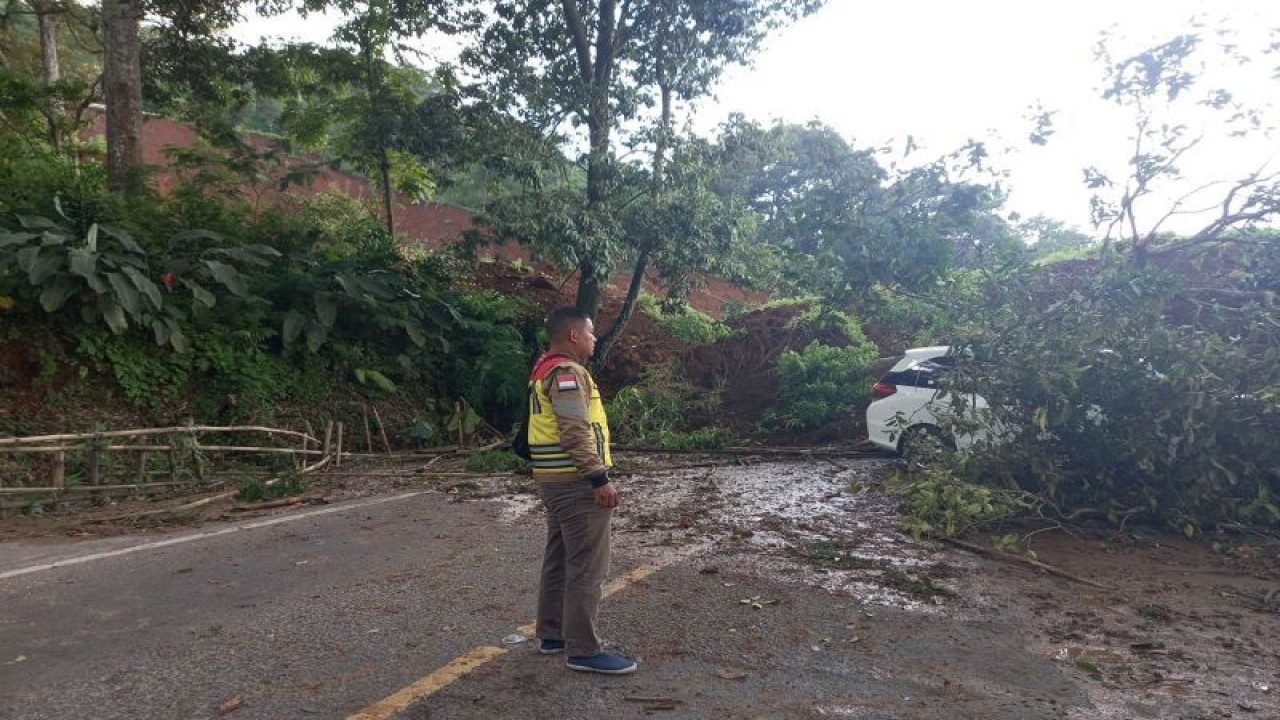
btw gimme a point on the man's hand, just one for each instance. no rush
(607, 496)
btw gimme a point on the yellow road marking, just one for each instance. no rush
(636, 575)
(465, 664)
(395, 703)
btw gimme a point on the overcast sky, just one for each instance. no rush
(944, 72)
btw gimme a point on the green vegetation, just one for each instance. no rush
(494, 461)
(257, 490)
(683, 322)
(823, 382)
(659, 412)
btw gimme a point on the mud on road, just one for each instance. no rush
(793, 593)
(787, 590)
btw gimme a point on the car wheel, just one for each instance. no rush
(922, 444)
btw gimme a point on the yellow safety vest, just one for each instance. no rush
(548, 457)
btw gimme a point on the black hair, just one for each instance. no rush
(564, 319)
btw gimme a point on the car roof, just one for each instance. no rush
(924, 353)
(915, 356)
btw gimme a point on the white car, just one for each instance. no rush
(908, 412)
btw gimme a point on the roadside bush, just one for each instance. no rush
(486, 361)
(938, 503)
(684, 322)
(1116, 407)
(494, 461)
(821, 383)
(707, 438)
(656, 413)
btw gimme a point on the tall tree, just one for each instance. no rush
(47, 16)
(845, 224)
(122, 88)
(381, 123)
(591, 63)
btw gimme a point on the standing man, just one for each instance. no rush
(569, 448)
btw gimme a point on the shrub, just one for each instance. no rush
(494, 461)
(656, 412)
(1118, 409)
(937, 502)
(821, 383)
(707, 438)
(684, 322)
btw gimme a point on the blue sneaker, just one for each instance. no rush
(551, 647)
(605, 663)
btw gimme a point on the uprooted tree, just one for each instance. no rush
(1142, 383)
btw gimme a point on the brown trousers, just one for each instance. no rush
(574, 565)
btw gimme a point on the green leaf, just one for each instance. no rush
(113, 314)
(177, 338)
(418, 337)
(251, 254)
(56, 293)
(44, 267)
(161, 331)
(35, 222)
(27, 257)
(83, 262)
(123, 237)
(228, 276)
(197, 234)
(316, 335)
(293, 323)
(126, 295)
(8, 238)
(326, 309)
(143, 283)
(91, 238)
(199, 294)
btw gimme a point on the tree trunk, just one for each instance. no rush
(384, 166)
(597, 75)
(47, 18)
(605, 344)
(589, 289)
(122, 90)
(598, 168)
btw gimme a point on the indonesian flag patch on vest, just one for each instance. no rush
(566, 382)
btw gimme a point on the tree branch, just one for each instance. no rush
(624, 30)
(578, 35)
(605, 26)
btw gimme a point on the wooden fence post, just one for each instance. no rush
(92, 461)
(328, 439)
(59, 469)
(338, 457)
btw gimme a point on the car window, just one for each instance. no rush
(924, 374)
(908, 377)
(929, 371)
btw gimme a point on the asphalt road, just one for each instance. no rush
(326, 614)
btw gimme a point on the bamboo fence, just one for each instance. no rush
(183, 451)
